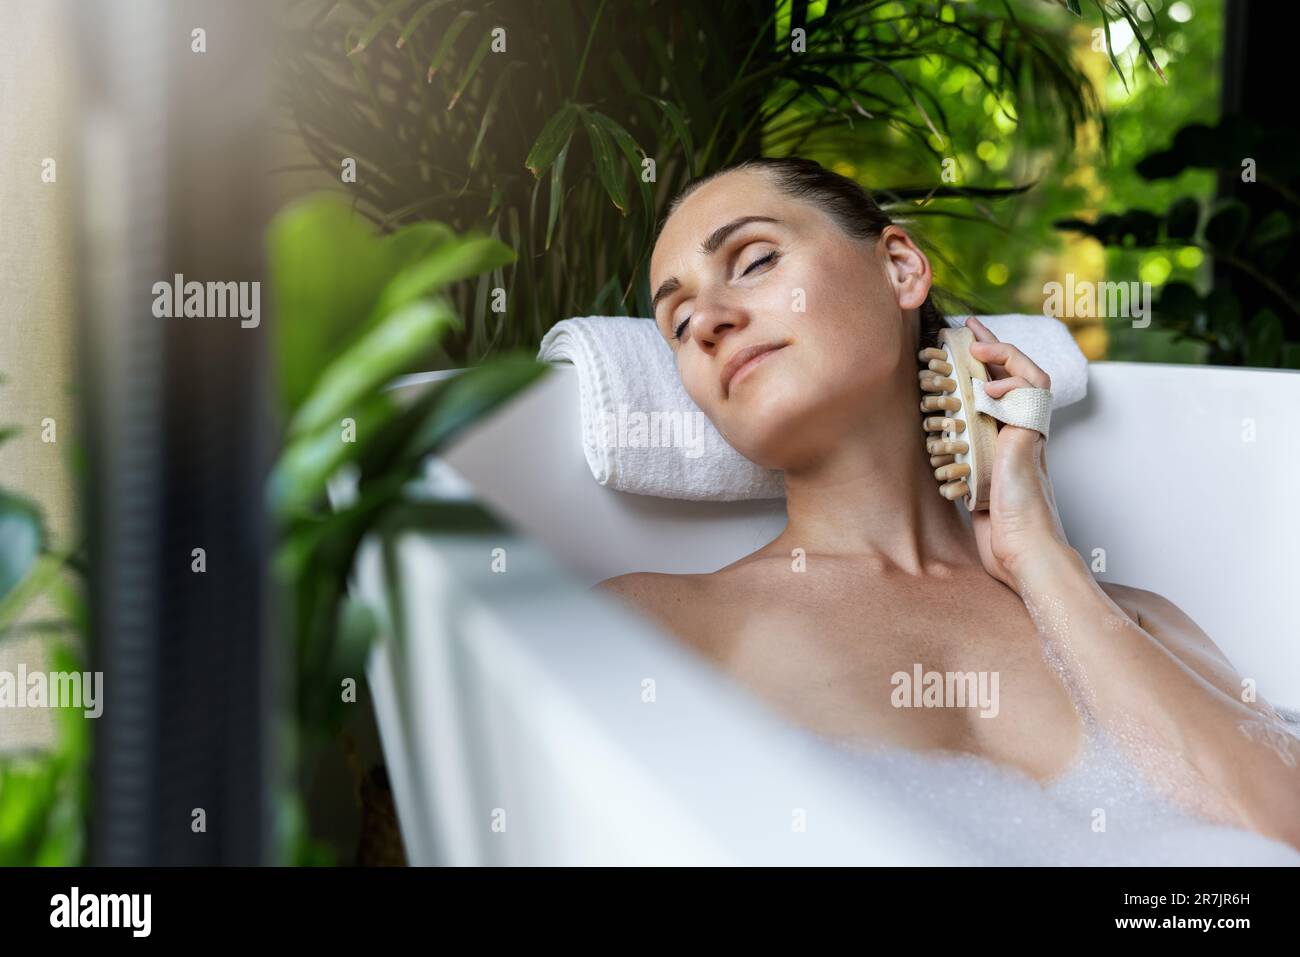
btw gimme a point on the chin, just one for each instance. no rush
(768, 428)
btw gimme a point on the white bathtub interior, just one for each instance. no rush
(515, 707)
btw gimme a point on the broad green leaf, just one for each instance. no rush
(452, 261)
(383, 455)
(681, 127)
(607, 167)
(553, 138)
(471, 395)
(70, 601)
(380, 354)
(299, 478)
(557, 193)
(356, 630)
(633, 154)
(326, 271)
(22, 536)
(327, 268)
(40, 574)
(413, 242)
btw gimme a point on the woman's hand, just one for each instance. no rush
(1022, 520)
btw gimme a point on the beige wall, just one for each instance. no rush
(36, 297)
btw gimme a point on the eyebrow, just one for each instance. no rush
(710, 246)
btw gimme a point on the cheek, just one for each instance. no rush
(852, 320)
(749, 424)
(696, 375)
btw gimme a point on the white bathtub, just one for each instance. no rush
(512, 706)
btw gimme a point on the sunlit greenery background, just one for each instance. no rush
(1005, 264)
(1052, 101)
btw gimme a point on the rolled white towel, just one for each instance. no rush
(642, 433)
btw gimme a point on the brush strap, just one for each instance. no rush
(1025, 407)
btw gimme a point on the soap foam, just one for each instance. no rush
(1101, 812)
(1126, 754)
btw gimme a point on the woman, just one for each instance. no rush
(796, 310)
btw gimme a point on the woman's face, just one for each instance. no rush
(788, 333)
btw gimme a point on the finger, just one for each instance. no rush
(1015, 362)
(1000, 387)
(983, 333)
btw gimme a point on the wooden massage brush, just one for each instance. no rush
(960, 439)
(962, 420)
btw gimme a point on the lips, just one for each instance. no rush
(742, 360)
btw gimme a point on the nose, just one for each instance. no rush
(717, 320)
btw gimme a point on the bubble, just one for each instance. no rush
(1126, 736)
(1129, 800)
(1052, 623)
(999, 816)
(1275, 736)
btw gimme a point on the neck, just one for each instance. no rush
(875, 497)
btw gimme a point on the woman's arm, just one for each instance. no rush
(1185, 719)
(1181, 716)
(1176, 631)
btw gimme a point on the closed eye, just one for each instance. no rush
(761, 261)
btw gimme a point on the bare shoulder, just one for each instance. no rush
(695, 607)
(659, 589)
(1165, 621)
(674, 601)
(1127, 597)
(652, 590)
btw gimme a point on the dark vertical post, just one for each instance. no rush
(171, 183)
(1254, 50)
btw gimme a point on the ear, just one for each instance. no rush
(906, 266)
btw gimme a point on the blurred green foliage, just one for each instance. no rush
(538, 122)
(1188, 38)
(1259, 248)
(44, 794)
(1000, 258)
(355, 309)
(977, 123)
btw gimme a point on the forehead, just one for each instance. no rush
(738, 193)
